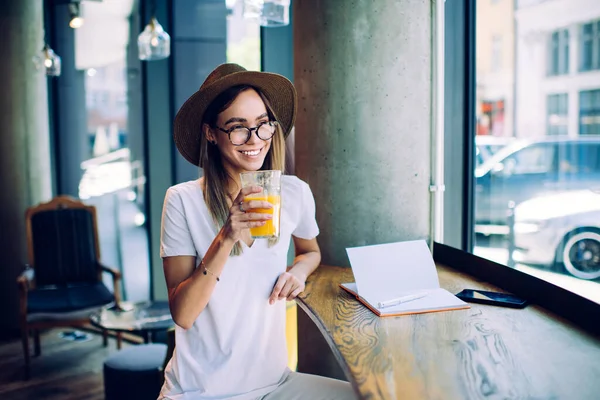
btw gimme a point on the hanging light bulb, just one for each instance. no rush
(48, 60)
(154, 43)
(76, 19)
(268, 13)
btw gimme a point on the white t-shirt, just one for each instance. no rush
(236, 348)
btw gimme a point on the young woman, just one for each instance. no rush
(227, 291)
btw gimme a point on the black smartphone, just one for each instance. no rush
(492, 298)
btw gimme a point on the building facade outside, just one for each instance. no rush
(557, 67)
(495, 50)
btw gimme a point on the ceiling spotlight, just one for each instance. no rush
(76, 19)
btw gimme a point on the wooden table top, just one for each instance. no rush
(485, 352)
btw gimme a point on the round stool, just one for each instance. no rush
(135, 372)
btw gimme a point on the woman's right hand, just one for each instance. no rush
(241, 216)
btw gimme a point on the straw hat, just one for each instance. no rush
(277, 89)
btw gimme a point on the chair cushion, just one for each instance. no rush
(143, 357)
(69, 298)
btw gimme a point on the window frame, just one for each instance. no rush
(459, 124)
(594, 39)
(558, 42)
(592, 110)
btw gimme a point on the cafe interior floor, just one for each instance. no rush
(65, 370)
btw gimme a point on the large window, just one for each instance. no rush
(589, 58)
(112, 176)
(537, 197)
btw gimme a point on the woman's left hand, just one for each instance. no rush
(288, 286)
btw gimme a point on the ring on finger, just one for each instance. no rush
(241, 204)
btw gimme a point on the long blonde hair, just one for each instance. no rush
(216, 177)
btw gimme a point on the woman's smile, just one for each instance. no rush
(252, 154)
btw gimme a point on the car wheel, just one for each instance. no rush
(581, 254)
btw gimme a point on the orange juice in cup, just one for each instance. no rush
(271, 227)
(270, 182)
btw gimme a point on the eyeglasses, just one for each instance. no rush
(239, 134)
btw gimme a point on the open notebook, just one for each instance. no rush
(389, 271)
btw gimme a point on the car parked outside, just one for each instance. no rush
(487, 146)
(560, 230)
(529, 168)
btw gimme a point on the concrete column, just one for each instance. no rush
(363, 75)
(24, 143)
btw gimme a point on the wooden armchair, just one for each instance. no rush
(62, 285)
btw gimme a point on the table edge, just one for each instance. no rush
(329, 339)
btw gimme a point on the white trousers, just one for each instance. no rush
(299, 386)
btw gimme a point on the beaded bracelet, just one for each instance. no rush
(208, 271)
